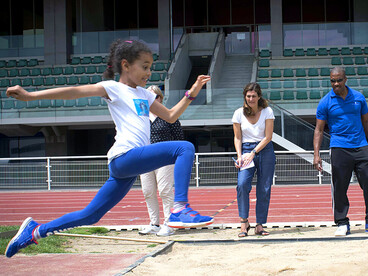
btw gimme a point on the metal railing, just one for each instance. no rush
(209, 169)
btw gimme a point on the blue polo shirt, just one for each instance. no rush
(344, 118)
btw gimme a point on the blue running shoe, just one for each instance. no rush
(23, 238)
(366, 227)
(187, 218)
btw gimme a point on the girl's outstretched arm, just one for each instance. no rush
(65, 93)
(171, 115)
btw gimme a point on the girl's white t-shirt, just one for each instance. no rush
(129, 109)
(253, 132)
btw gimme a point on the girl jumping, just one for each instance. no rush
(131, 155)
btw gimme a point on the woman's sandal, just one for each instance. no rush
(244, 233)
(262, 232)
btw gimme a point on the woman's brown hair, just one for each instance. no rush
(262, 102)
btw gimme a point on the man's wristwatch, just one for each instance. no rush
(254, 151)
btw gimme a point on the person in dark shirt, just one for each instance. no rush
(161, 179)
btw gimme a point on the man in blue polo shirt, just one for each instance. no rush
(346, 114)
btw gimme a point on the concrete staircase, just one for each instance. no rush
(236, 71)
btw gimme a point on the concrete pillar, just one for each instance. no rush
(164, 28)
(277, 38)
(57, 31)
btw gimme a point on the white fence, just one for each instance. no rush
(209, 169)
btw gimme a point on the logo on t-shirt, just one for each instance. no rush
(142, 107)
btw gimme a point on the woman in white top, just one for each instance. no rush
(253, 127)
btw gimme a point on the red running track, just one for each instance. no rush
(302, 203)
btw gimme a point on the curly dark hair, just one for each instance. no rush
(262, 102)
(119, 50)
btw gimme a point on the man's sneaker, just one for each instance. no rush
(366, 227)
(187, 218)
(150, 229)
(342, 230)
(23, 238)
(165, 231)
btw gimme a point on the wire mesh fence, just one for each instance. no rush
(209, 169)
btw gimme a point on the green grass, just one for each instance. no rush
(51, 244)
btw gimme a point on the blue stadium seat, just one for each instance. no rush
(300, 72)
(73, 80)
(32, 62)
(357, 51)
(38, 81)
(82, 102)
(84, 80)
(13, 73)
(352, 82)
(3, 73)
(70, 103)
(264, 53)
(347, 61)
(288, 95)
(263, 84)
(313, 72)
(345, 51)
(159, 66)
(16, 82)
(8, 103)
(275, 95)
(20, 104)
(69, 70)
(35, 72)
(365, 92)
(288, 53)
(80, 70)
(336, 61)
(61, 81)
(362, 71)
(350, 71)
(4, 83)
(75, 61)
(97, 60)
(359, 60)
(91, 69)
(96, 79)
(24, 72)
(22, 63)
(2, 63)
(275, 84)
(299, 52)
(314, 83)
(95, 101)
(334, 51)
(57, 103)
(325, 72)
(45, 103)
(57, 71)
(263, 73)
(288, 73)
(288, 84)
(314, 94)
(50, 81)
(311, 52)
(27, 82)
(301, 83)
(262, 63)
(46, 71)
(301, 95)
(364, 82)
(322, 52)
(86, 60)
(11, 63)
(33, 104)
(275, 73)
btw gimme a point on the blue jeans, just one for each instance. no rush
(123, 173)
(264, 162)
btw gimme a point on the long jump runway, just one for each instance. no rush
(290, 204)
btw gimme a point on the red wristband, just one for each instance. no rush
(188, 96)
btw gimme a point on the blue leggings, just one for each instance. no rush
(123, 173)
